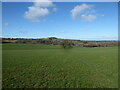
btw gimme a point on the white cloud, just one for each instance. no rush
(83, 11)
(23, 32)
(43, 3)
(34, 13)
(54, 9)
(88, 17)
(62, 31)
(79, 9)
(102, 15)
(6, 24)
(44, 20)
(38, 10)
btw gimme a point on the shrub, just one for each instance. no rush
(67, 44)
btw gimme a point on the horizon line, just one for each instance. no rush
(61, 38)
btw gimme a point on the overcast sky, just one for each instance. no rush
(78, 20)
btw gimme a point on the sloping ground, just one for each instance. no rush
(57, 41)
(39, 66)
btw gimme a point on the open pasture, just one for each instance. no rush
(45, 66)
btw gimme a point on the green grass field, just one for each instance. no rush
(44, 66)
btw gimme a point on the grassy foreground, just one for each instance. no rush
(39, 66)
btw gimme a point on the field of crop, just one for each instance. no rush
(45, 66)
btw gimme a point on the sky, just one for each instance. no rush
(69, 20)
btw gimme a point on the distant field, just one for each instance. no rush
(39, 66)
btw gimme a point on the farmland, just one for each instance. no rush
(51, 66)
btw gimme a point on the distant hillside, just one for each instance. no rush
(59, 41)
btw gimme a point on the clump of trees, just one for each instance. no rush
(51, 38)
(91, 44)
(67, 44)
